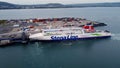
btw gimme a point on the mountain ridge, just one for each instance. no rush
(6, 5)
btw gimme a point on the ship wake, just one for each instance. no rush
(115, 36)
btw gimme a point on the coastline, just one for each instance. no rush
(13, 32)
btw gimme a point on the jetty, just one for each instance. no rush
(12, 31)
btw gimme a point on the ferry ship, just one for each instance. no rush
(69, 33)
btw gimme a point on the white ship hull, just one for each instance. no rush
(68, 35)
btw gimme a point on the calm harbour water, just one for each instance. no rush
(97, 53)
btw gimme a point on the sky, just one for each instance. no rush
(57, 1)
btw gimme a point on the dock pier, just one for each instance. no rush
(4, 42)
(19, 37)
(12, 31)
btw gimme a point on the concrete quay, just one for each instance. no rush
(19, 30)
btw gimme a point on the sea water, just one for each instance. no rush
(96, 53)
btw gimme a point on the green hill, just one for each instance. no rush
(5, 5)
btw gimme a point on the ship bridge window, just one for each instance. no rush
(49, 31)
(78, 32)
(76, 29)
(49, 34)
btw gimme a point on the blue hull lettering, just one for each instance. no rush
(63, 37)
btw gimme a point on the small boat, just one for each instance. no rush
(69, 33)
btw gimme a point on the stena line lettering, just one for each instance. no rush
(64, 37)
